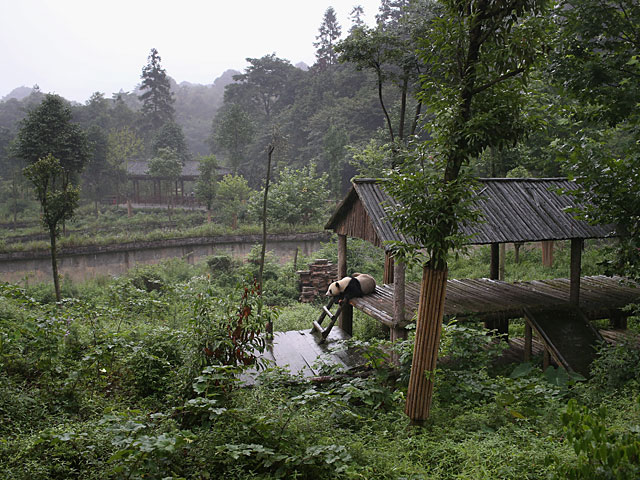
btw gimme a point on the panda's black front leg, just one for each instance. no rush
(345, 298)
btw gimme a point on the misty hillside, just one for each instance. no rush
(18, 93)
(195, 105)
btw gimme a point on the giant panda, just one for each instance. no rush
(350, 287)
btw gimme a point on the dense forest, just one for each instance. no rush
(143, 376)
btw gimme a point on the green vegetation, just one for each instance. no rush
(134, 377)
(113, 226)
(137, 376)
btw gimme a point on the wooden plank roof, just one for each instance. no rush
(513, 210)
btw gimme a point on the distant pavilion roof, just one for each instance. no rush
(513, 210)
(139, 170)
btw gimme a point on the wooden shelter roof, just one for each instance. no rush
(139, 170)
(513, 210)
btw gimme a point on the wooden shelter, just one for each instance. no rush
(138, 171)
(513, 211)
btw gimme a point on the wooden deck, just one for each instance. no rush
(485, 299)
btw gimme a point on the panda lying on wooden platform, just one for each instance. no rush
(350, 287)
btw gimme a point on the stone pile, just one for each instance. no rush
(315, 281)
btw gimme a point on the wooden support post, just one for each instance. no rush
(342, 256)
(502, 326)
(576, 259)
(618, 320)
(425, 353)
(388, 274)
(516, 251)
(494, 270)
(398, 332)
(547, 253)
(528, 341)
(501, 262)
(346, 315)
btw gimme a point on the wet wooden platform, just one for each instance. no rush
(302, 353)
(485, 299)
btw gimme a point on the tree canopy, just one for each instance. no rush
(157, 98)
(48, 130)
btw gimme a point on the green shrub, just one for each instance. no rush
(615, 366)
(602, 453)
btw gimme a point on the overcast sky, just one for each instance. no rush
(76, 47)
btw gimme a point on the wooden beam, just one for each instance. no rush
(346, 315)
(398, 332)
(388, 275)
(528, 341)
(576, 267)
(399, 292)
(342, 256)
(547, 253)
(494, 270)
(497, 255)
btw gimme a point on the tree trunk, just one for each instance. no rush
(54, 264)
(264, 226)
(425, 353)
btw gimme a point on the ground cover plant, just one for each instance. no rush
(136, 377)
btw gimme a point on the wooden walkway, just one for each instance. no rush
(485, 299)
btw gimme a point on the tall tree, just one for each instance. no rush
(389, 50)
(171, 136)
(166, 167)
(263, 83)
(94, 176)
(207, 183)
(157, 98)
(233, 131)
(58, 199)
(480, 53)
(233, 194)
(56, 151)
(356, 17)
(328, 35)
(123, 145)
(596, 64)
(48, 129)
(335, 142)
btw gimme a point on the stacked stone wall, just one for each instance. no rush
(315, 281)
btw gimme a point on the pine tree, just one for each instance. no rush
(329, 33)
(356, 17)
(157, 99)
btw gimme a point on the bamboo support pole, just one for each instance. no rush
(425, 354)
